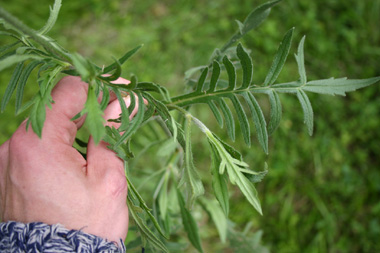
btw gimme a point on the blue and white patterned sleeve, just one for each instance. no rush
(40, 237)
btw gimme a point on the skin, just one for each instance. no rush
(47, 180)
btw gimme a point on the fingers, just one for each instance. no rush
(103, 163)
(69, 96)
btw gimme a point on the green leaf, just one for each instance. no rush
(279, 59)
(37, 116)
(190, 177)
(234, 167)
(243, 119)
(163, 197)
(275, 111)
(12, 85)
(105, 97)
(124, 110)
(214, 76)
(13, 59)
(115, 75)
(82, 66)
(219, 182)
(257, 16)
(231, 71)
(338, 86)
(189, 223)
(246, 63)
(307, 110)
(258, 119)
(230, 124)
(144, 230)
(301, 61)
(135, 122)
(52, 18)
(123, 59)
(201, 81)
(246, 187)
(22, 82)
(256, 177)
(217, 216)
(94, 119)
(216, 112)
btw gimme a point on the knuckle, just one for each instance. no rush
(116, 184)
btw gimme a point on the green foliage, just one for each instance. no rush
(172, 116)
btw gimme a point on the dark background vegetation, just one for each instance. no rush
(322, 192)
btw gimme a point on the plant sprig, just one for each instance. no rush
(226, 99)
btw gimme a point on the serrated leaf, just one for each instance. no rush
(52, 18)
(231, 71)
(217, 216)
(123, 59)
(214, 76)
(257, 16)
(243, 119)
(219, 182)
(338, 86)
(228, 118)
(246, 63)
(279, 59)
(307, 110)
(301, 61)
(189, 224)
(258, 119)
(190, 177)
(275, 111)
(94, 119)
(13, 59)
(12, 85)
(22, 82)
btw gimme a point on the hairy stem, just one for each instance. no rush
(16, 23)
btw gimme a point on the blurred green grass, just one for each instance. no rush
(322, 192)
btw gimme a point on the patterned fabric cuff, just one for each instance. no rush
(40, 237)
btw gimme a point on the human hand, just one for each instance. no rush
(47, 180)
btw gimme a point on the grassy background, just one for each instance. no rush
(322, 192)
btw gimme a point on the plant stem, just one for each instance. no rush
(16, 23)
